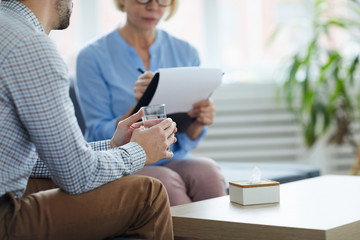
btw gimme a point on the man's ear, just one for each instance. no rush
(120, 4)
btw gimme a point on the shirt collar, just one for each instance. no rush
(22, 10)
(152, 49)
(157, 43)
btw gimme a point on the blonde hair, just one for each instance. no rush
(172, 8)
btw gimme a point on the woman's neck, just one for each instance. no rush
(141, 40)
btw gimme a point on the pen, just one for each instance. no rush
(140, 70)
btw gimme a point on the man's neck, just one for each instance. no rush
(43, 10)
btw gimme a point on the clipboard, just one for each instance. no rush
(180, 88)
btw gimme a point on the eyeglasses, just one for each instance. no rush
(162, 3)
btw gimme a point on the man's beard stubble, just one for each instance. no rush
(64, 12)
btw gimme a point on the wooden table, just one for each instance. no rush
(326, 207)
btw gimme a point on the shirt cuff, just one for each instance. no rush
(137, 155)
(100, 145)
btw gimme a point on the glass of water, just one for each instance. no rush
(153, 112)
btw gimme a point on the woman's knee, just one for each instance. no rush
(172, 181)
(211, 169)
(167, 176)
(202, 168)
(203, 178)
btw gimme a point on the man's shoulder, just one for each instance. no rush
(16, 32)
(15, 26)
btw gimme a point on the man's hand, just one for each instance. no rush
(156, 140)
(142, 83)
(125, 128)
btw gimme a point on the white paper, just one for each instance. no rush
(255, 176)
(179, 88)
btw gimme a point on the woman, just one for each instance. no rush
(109, 86)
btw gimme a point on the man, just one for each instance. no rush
(87, 196)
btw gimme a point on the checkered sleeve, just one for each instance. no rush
(40, 89)
(134, 150)
(40, 171)
(100, 145)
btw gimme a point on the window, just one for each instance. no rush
(230, 34)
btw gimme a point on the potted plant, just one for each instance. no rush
(321, 83)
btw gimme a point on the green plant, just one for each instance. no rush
(321, 84)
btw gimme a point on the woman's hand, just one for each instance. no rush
(142, 83)
(204, 114)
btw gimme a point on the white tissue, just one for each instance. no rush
(255, 176)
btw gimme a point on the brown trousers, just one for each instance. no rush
(131, 206)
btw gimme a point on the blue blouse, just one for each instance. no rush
(106, 73)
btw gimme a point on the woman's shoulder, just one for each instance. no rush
(97, 46)
(175, 41)
(181, 50)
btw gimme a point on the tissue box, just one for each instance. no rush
(245, 193)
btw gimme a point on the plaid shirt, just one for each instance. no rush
(37, 119)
